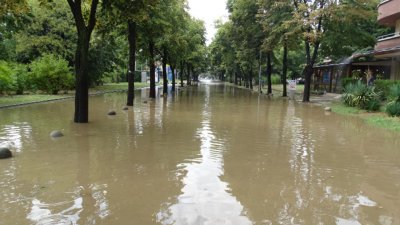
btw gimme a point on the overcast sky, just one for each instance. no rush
(208, 11)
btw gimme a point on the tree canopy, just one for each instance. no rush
(295, 35)
(102, 40)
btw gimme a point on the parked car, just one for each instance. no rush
(300, 80)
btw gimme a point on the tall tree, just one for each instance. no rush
(84, 29)
(275, 17)
(129, 12)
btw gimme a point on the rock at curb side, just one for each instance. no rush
(328, 109)
(126, 108)
(112, 113)
(56, 134)
(5, 153)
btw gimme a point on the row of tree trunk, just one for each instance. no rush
(239, 74)
(82, 62)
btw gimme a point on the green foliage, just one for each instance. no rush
(51, 74)
(106, 56)
(5, 77)
(347, 80)
(373, 105)
(21, 80)
(354, 25)
(393, 107)
(384, 86)
(13, 78)
(276, 79)
(7, 49)
(394, 94)
(361, 96)
(49, 29)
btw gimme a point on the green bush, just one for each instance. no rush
(348, 80)
(276, 79)
(361, 96)
(393, 107)
(384, 86)
(5, 77)
(373, 105)
(21, 81)
(348, 94)
(51, 74)
(394, 93)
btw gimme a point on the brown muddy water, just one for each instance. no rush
(211, 154)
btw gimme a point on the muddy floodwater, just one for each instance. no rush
(211, 154)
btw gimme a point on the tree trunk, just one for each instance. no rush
(307, 83)
(81, 114)
(82, 80)
(284, 69)
(132, 61)
(164, 73)
(244, 77)
(188, 82)
(251, 78)
(182, 72)
(236, 82)
(308, 70)
(152, 70)
(194, 74)
(269, 73)
(173, 78)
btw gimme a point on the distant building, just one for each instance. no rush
(388, 46)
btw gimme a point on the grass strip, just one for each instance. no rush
(16, 100)
(376, 119)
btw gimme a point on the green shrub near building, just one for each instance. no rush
(361, 96)
(393, 106)
(348, 80)
(384, 86)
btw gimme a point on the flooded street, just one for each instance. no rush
(211, 154)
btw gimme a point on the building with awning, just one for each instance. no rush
(383, 62)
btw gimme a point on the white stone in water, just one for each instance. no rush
(56, 134)
(5, 153)
(328, 109)
(112, 113)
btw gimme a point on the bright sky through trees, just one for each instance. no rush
(209, 11)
